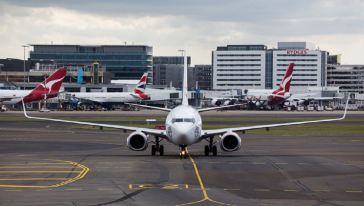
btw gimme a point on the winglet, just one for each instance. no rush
(24, 110)
(346, 108)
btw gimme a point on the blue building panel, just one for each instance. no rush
(122, 61)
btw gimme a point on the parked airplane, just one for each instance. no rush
(305, 98)
(108, 98)
(183, 127)
(263, 97)
(47, 89)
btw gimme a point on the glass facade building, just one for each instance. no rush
(121, 61)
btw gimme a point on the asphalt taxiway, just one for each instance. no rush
(45, 163)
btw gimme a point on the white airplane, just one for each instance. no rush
(306, 98)
(183, 127)
(47, 89)
(264, 97)
(107, 98)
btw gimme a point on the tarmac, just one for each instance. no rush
(48, 163)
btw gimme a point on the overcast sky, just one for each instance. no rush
(199, 26)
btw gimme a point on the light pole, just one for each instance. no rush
(24, 46)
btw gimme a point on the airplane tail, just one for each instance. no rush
(184, 86)
(282, 93)
(49, 88)
(286, 81)
(139, 90)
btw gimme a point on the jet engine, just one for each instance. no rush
(137, 141)
(216, 102)
(230, 142)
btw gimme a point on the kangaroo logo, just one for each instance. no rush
(285, 81)
(48, 86)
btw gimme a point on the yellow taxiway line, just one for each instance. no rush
(205, 196)
(31, 179)
(81, 174)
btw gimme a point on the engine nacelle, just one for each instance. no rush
(137, 141)
(227, 102)
(230, 142)
(216, 102)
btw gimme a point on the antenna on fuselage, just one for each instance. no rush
(184, 85)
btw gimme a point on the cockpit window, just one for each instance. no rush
(189, 120)
(183, 120)
(177, 120)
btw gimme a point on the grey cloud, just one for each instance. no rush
(204, 24)
(275, 16)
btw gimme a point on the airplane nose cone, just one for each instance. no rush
(183, 128)
(183, 133)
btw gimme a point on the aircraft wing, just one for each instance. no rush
(145, 130)
(215, 108)
(150, 107)
(208, 133)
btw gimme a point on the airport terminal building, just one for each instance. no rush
(256, 67)
(120, 61)
(239, 67)
(310, 64)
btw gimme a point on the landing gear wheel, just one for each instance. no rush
(161, 150)
(214, 150)
(154, 150)
(207, 150)
(183, 152)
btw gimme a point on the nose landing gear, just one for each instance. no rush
(183, 152)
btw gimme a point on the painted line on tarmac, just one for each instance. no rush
(259, 163)
(353, 191)
(235, 163)
(81, 174)
(321, 190)
(290, 190)
(32, 179)
(41, 171)
(24, 167)
(228, 189)
(167, 186)
(205, 197)
(41, 190)
(262, 190)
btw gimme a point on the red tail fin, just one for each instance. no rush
(50, 87)
(286, 81)
(140, 87)
(281, 93)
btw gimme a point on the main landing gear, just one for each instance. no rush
(157, 147)
(183, 152)
(211, 147)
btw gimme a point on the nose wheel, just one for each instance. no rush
(183, 152)
(157, 147)
(211, 148)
